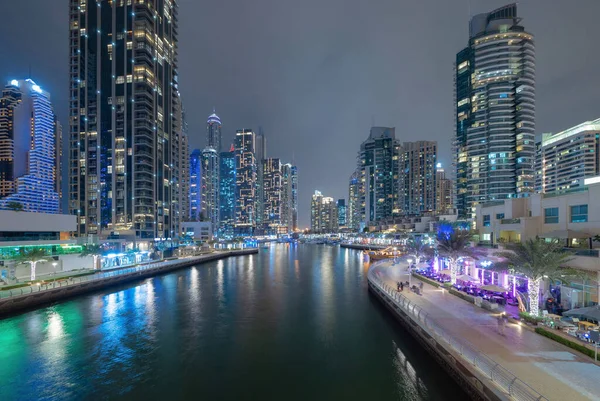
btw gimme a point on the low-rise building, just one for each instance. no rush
(197, 230)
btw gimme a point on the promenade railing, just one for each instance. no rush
(505, 380)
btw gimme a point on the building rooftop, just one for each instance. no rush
(549, 138)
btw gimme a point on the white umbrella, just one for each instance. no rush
(493, 288)
(466, 277)
(446, 271)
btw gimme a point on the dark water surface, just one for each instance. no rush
(291, 323)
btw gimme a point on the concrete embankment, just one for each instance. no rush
(362, 247)
(24, 300)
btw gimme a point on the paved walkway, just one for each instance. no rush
(550, 368)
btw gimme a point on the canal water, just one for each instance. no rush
(290, 323)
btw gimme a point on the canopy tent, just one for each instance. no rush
(446, 272)
(566, 234)
(591, 313)
(466, 277)
(493, 288)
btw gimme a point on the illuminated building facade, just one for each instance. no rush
(227, 193)
(495, 111)
(443, 192)
(289, 197)
(417, 177)
(213, 132)
(210, 186)
(245, 178)
(125, 118)
(260, 153)
(341, 206)
(567, 158)
(195, 186)
(272, 193)
(353, 202)
(378, 169)
(323, 214)
(30, 142)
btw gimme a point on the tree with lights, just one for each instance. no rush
(536, 259)
(93, 250)
(33, 257)
(454, 243)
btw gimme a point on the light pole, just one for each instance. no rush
(409, 273)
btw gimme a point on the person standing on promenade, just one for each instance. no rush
(501, 324)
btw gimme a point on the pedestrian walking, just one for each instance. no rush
(401, 286)
(398, 286)
(421, 287)
(501, 325)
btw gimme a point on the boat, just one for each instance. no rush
(382, 254)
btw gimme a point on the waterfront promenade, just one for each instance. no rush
(551, 369)
(31, 296)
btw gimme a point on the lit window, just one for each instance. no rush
(579, 214)
(551, 215)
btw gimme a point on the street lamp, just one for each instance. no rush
(409, 272)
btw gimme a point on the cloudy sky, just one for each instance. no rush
(315, 74)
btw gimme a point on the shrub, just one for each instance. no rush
(462, 295)
(530, 318)
(564, 341)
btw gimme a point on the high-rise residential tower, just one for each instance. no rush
(353, 202)
(260, 155)
(378, 168)
(272, 192)
(341, 205)
(124, 118)
(443, 192)
(227, 193)
(417, 177)
(210, 186)
(289, 197)
(323, 214)
(245, 177)
(30, 142)
(567, 158)
(213, 132)
(195, 208)
(495, 111)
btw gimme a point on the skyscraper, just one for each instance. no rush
(378, 168)
(30, 142)
(260, 156)
(417, 183)
(195, 186)
(272, 191)
(341, 206)
(289, 197)
(213, 132)
(443, 192)
(567, 158)
(353, 202)
(495, 111)
(323, 214)
(125, 117)
(245, 177)
(210, 187)
(227, 193)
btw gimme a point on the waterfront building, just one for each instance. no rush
(353, 202)
(124, 108)
(342, 219)
(227, 193)
(30, 149)
(260, 153)
(210, 186)
(495, 111)
(571, 216)
(272, 192)
(180, 207)
(443, 192)
(195, 186)
(289, 197)
(417, 177)
(378, 169)
(323, 214)
(567, 158)
(197, 230)
(245, 178)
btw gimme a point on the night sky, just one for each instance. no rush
(316, 73)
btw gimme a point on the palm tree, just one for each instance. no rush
(15, 206)
(416, 248)
(93, 250)
(536, 259)
(453, 243)
(32, 256)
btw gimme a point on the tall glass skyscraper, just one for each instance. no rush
(495, 111)
(245, 177)
(353, 202)
(341, 205)
(227, 193)
(272, 191)
(378, 167)
(417, 177)
(30, 142)
(125, 118)
(213, 132)
(210, 186)
(260, 152)
(195, 186)
(289, 197)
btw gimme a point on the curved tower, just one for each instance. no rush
(213, 132)
(495, 111)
